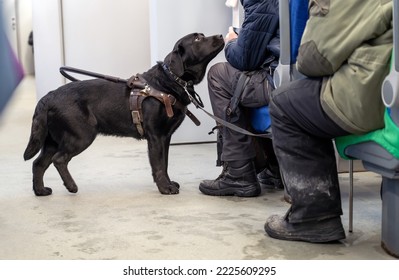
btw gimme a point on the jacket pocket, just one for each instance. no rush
(319, 8)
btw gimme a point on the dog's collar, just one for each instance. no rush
(176, 78)
(187, 86)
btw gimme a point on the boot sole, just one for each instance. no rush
(242, 192)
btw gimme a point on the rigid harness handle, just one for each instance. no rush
(65, 69)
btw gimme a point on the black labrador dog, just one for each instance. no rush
(151, 106)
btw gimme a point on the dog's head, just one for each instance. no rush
(191, 55)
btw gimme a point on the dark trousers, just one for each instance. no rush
(222, 81)
(302, 138)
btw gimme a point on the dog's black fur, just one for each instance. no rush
(66, 121)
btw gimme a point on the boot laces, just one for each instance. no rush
(224, 171)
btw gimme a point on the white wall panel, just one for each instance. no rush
(171, 20)
(107, 36)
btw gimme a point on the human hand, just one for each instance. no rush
(231, 35)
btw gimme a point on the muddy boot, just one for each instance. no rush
(323, 231)
(237, 178)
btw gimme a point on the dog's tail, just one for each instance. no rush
(38, 130)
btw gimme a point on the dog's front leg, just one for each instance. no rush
(166, 163)
(158, 149)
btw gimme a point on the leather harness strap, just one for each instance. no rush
(141, 90)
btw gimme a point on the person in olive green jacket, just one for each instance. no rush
(345, 53)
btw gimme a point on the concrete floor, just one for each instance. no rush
(118, 212)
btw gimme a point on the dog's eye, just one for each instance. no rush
(197, 39)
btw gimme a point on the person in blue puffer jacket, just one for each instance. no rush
(253, 49)
(248, 51)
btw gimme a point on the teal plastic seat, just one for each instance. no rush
(379, 152)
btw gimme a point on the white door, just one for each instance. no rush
(10, 23)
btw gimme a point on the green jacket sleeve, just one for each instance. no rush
(335, 29)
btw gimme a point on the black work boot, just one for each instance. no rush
(237, 178)
(270, 180)
(315, 231)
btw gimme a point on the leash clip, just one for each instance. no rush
(192, 99)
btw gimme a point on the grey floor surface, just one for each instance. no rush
(118, 212)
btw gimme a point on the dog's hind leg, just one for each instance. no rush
(71, 145)
(60, 161)
(40, 165)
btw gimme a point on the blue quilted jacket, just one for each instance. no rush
(260, 26)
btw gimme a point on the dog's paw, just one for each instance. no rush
(43, 191)
(170, 189)
(72, 189)
(176, 184)
(174, 188)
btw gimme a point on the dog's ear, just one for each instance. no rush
(175, 61)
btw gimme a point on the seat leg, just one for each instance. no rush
(351, 195)
(390, 216)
